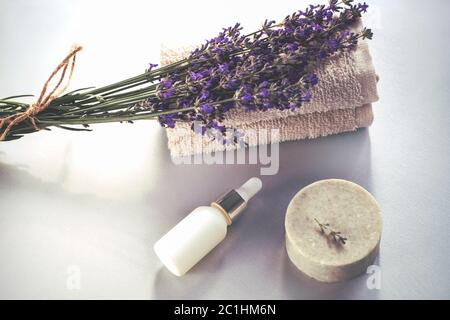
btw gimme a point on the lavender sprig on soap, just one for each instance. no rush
(267, 69)
(326, 229)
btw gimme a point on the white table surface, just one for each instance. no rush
(91, 205)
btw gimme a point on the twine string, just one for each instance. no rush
(44, 99)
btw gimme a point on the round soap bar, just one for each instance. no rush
(314, 219)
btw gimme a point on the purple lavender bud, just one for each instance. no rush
(167, 120)
(204, 95)
(195, 76)
(292, 47)
(246, 98)
(166, 83)
(311, 79)
(321, 54)
(263, 93)
(223, 68)
(206, 108)
(209, 83)
(151, 66)
(332, 44)
(292, 106)
(214, 124)
(230, 84)
(184, 103)
(363, 7)
(164, 95)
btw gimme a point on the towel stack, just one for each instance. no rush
(341, 102)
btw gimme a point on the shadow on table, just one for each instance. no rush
(199, 281)
(17, 176)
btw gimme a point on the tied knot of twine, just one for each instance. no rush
(45, 99)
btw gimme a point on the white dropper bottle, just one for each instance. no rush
(204, 228)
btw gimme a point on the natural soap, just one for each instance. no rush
(321, 209)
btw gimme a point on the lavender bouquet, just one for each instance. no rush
(266, 69)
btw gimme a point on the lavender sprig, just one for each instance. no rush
(271, 68)
(329, 232)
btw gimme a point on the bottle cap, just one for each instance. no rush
(234, 202)
(250, 188)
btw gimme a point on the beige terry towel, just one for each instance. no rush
(340, 102)
(183, 141)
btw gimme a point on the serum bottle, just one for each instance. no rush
(203, 229)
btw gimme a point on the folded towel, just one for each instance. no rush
(347, 82)
(182, 141)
